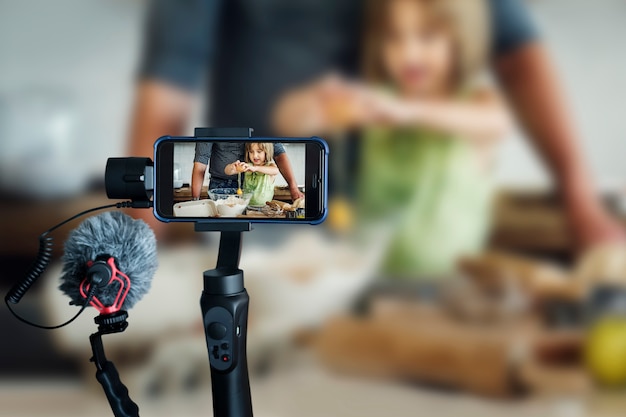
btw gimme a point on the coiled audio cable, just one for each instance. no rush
(44, 257)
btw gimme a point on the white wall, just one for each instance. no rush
(87, 50)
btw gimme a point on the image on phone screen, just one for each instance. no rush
(256, 179)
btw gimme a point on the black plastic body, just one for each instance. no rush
(316, 174)
(129, 178)
(116, 392)
(224, 304)
(106, 373)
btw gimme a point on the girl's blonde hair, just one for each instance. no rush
(468, 21)
(268, 147)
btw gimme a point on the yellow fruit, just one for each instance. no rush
(605, 351)
(340, 216)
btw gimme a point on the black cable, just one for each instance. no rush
(44, 257)
(124, 204)
(92, 292)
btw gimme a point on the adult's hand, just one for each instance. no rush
(593, 226)
(601, 265)
(295, 193)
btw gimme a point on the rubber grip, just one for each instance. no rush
(116, 392)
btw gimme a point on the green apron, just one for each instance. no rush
(431, 185)
(261, 186)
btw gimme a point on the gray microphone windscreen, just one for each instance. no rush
(129, 241)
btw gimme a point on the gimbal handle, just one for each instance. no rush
(106, 373)
(224, 304)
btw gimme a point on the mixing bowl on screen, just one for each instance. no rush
(228, 202)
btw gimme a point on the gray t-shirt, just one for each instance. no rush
(220, 154)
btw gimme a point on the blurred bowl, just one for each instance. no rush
(228, 202)
(178, 183)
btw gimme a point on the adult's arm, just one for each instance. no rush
(160, 109)
(177, 48)
(177, 45)
(525, 71)
(197, 179)
(533, 88)
(201, 159)
(284, 166)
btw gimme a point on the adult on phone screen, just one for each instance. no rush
(216, 156)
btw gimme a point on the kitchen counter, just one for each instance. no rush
(184, 193)
(258, 215)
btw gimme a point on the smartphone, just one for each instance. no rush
(225, 179)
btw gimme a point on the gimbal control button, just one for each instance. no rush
(217, 330)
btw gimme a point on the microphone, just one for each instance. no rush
(109, 259)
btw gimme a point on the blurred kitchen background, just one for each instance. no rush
(67, 77)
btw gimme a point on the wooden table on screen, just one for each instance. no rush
(184, 193)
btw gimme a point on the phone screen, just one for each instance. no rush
(253, 179)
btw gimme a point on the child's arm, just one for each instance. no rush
(270, 169)
(231, 169)
(482, 117)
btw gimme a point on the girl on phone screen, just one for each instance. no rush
(259, 172)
